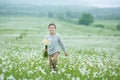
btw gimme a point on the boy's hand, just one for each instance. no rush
(45, 50)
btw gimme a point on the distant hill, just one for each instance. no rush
(59, 11)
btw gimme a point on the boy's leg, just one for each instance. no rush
(54, 60)
(50, 62)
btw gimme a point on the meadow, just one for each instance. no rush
(94, 53)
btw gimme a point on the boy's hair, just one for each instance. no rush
(52, 24)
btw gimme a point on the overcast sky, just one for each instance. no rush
(98, 3)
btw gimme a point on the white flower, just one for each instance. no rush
(3, 70)
(46, 42)
(63, 70)
(30, 72)
(11, 77)
(42, 71)
(68, 75)
(2, 77)
(39, 78)
(52, 72)
(73, 78)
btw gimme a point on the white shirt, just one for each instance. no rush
(55, 43)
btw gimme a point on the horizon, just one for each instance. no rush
(90, 3)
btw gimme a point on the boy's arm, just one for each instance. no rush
(62, 45)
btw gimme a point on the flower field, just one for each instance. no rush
(90, 57)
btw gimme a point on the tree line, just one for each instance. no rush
(61, 12)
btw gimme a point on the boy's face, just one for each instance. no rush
(52, 29)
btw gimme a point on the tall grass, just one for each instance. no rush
(91, 56)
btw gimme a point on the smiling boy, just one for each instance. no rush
(56, 43)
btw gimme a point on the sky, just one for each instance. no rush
(96, 3)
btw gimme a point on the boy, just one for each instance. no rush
(54, 48)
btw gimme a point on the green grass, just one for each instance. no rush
(38, 25)
(109, 24)
(94, 53)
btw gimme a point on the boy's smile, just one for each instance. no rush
(52, 29)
